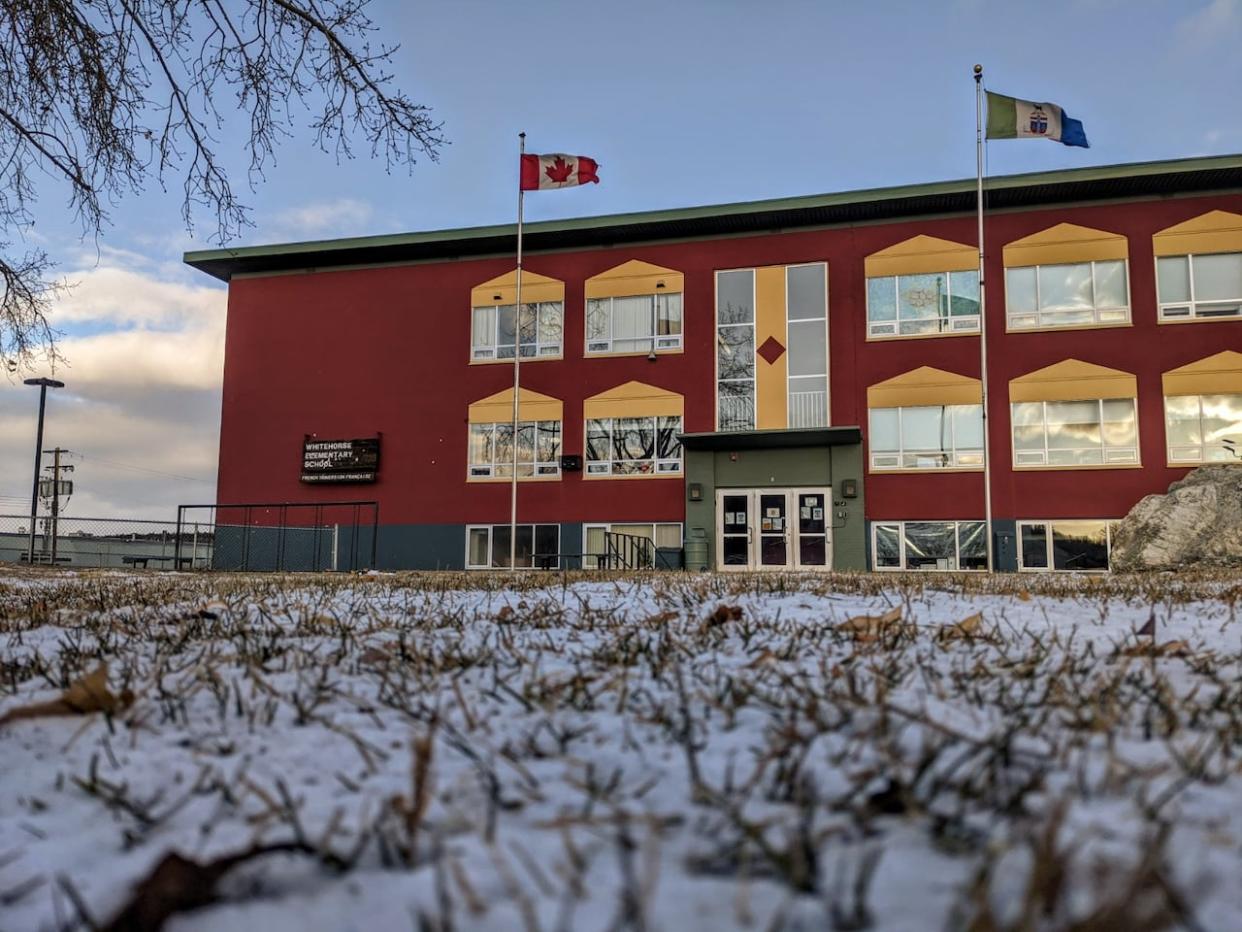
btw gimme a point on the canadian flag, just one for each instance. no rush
(557, 171)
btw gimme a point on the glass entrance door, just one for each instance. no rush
(774, 529)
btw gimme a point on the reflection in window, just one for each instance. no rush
(1064, 545)
(630, 446)
(735, 350)
(806, 302)
(538, 546)
(494, 330)
(926, 437)
(1200, 287)
(1097, 432)
(594, 544)
(929, 545)
(538, 449)
(1067, 295)
(920, 305)
(634, 324)
(1203, 428)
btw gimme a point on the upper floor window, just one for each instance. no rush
(1094, 432)
(634, 323)
(1067, 295)
(735, 350)
(1198, 287)
(538, 449)
(1203, 428)
(926, 437)
(498, 330)
(925, 304)
(633, 446)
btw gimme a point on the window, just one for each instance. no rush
(1098, 432)
(634, 324)
(735, 350)
(1203, 428)
(929, 545)
(633, 446)
(919, 305)
(493, 334)
(1200, 287)
(1064, 545)
(931, 437)
(538, 449)
(538, 546)
(1067, 295)
(594, 544)
(806, 303)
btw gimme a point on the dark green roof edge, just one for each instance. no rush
(223, 263)
(772, 438)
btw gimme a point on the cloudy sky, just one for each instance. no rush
(693, 102)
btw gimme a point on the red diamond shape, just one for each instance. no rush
(771, 350)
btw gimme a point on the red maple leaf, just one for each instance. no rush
(560, 170)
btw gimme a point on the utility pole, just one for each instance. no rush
(44, 385)
(56, 469)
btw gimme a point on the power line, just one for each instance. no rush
(146, 469)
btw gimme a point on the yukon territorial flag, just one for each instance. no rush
(1010, 118)
(557, 171)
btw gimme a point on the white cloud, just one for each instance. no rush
(344, 216)
(124, 296)
(1215, 22)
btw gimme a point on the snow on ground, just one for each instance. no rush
(666, 752)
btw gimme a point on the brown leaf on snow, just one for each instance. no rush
(873, 627)
(724, 613)
(1167, 649)
(84, 696)
(968, 629)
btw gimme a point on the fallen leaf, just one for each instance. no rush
(84, 696)
(1024, 596)
(1167, 649)
(871, 627)
(724, 613)
(969, 628)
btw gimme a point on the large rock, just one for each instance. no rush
(1199, 522)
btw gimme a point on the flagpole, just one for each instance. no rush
(517, 357)
(983, 321)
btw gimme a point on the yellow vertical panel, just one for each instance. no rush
(771, 379)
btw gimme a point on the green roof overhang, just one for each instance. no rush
(1109, 182)
(772, 439)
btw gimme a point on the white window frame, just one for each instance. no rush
(659, 466)
(754, 312)
(659, 343)
(953, 459)
(1046, 318)
(539, 470)
(1192, 306)
(607, 527)
(901, 546)
(490, 528)
(1047, 524)
(1196, 450)
(490, 351)
(891, 329)
(822, 409)
(1105, 462)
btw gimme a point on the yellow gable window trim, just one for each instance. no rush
(925, 386)
(1064, 244)
(1219, 374)
(502, 290)
(634, 278)
(920, 255)
(1213, 232)
(634, 399)
(1072, 380)
(532, 406)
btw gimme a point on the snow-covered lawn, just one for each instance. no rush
(668, 752)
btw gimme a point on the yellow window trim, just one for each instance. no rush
(1219, 374)
(634, 399)
(637, 475)
(1072, 380)
(920, 255)
(634, 278)
(1215, 231)
(771, 379)
(503, 289)
(925, 386)
(532, 406)
(1065, 243)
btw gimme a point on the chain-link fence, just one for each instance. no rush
(106, 542)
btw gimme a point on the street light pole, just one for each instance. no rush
(44, 385)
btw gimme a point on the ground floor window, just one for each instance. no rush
(538, 546)
(595, 540)
(1064, 545)
(928, 545)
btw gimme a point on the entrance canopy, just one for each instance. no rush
(771, 439)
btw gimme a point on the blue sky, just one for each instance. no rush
(683, 103)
